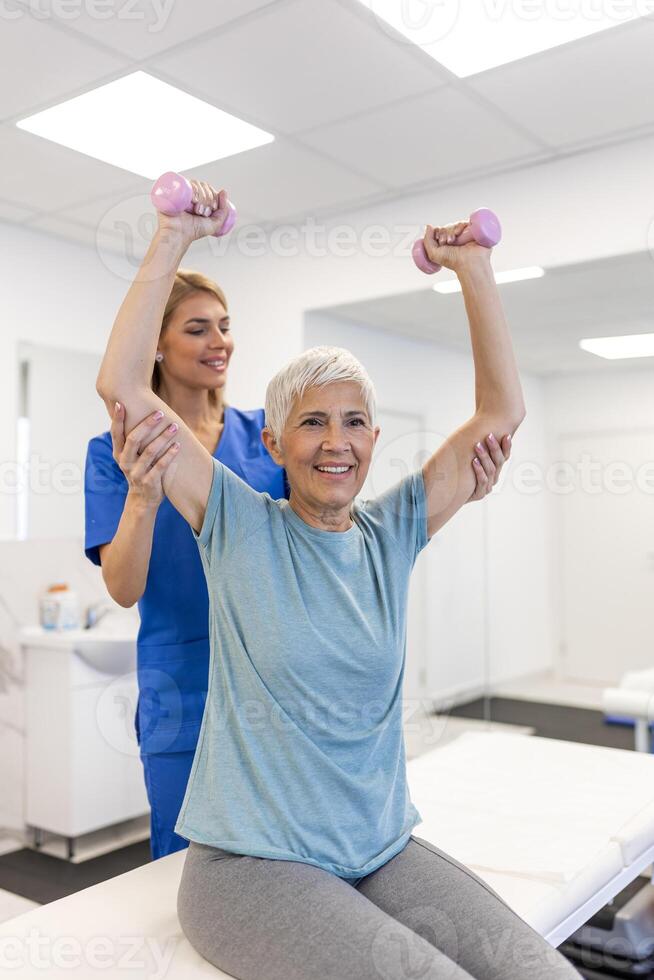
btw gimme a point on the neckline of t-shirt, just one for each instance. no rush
(317, 532)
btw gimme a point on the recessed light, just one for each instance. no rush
(145, 126)
(475, 35)
(512, 275)
(613, 348)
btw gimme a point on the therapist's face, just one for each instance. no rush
(197, 334)
(329, 425)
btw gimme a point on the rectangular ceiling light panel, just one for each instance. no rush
(511, 275)
(471, 36)
(145, 126)
(614, 348)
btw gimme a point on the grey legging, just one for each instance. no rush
(421, 916)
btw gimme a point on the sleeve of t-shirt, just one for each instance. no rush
(234, 510)
(401, 511)
(105, 490)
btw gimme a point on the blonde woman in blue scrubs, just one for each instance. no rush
(147, 550)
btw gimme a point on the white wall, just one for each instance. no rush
(621, 401)
(53, 294)
(65, 378)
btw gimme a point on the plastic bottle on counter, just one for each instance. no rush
(59, 608)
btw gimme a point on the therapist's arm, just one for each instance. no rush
(126, 369)
(125, 559)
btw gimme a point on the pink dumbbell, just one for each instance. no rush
(172, 193)
(484, 228)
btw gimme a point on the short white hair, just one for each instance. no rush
(314, 368)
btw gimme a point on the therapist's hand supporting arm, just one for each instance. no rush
(126, 558)
(126, 369)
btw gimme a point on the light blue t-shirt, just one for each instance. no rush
(301, 750)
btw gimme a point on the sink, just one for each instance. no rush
(110, 654)
(81, 694)
(109, 651)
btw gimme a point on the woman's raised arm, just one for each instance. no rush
(499, 403)
(126, 369)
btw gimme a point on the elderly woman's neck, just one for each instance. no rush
(325, 520)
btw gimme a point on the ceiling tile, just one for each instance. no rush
(12, 212)
(581, 91)
(42, 65)
(281, 180)
(436, 135)
(299, 65)
(44, 176)
(144, 28)
(126, 220)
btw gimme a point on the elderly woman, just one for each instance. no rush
(301, 861)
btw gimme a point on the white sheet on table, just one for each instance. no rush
(530, 806)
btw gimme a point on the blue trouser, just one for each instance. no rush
(166, 776)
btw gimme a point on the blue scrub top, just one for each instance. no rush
(173, 638)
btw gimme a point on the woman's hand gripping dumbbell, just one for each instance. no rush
(193, 207)
(482, 228)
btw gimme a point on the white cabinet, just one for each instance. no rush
(83, 770)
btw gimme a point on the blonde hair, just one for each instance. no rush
(186, 283)
(314, 368)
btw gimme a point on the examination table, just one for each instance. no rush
(556, 828)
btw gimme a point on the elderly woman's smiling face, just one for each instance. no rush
(326, 449)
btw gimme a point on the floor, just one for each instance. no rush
(548, 688)
(87, 847)
(538, 705)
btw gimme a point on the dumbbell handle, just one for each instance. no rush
(484, 228)
(172, 193)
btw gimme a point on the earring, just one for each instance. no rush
(158, 356)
